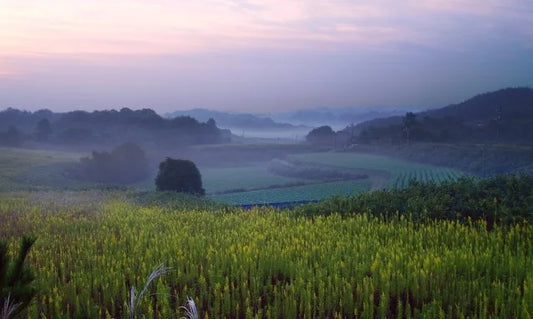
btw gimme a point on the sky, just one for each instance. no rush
(259, 56)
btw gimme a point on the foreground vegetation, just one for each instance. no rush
(268, 263)
(500, 199)
(456, 248)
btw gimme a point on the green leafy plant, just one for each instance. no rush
(16, 278)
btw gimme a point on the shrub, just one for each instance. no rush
(500, 199)
(180, 176)
(125, 164)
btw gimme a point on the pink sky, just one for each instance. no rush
(259, 55)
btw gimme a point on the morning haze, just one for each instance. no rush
(266, 159)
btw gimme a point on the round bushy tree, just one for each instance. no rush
(180, 176)
(321, 135)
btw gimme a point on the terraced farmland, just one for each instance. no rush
(256, 184)
(295, 193)
(398, 172)
(219, 180)
(433, 174)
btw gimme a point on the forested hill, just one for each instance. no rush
(110, 127)
(234, 120)
(504, 116)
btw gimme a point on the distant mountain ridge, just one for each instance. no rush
(503, 116)
(289, 124)
(232, 120)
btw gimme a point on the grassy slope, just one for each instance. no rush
(23, 169)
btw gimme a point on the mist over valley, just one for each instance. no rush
(266, 159)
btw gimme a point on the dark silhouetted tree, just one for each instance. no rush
(43, 130)
(409, 123)
(211, 122)
(180, 176)
(12, 137)
(321, 135)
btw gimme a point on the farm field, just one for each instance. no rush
(227, 179)
(383, 172)
(250, 183)
(23, 169)
(399, 171)
(267, 263)
(310, 192)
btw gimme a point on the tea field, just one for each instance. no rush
(265, 263)
(399, 171)
(310, 192)
(383, 172)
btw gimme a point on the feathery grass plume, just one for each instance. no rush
(8, 308)
(134, 300)
(190, 309)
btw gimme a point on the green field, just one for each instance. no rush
(23, 169)
(217, 180)
(399, 171)
(265, 263)
(383, 172)
(309, 192)
(246, 184)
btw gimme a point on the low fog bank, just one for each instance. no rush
(292, 125)
(294, 134)
(338, 118)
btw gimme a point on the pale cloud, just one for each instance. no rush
(5, 69)
(305, 52)
(162, 27)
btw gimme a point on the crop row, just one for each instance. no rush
(400, 172)
(294, 193)
(424, 175)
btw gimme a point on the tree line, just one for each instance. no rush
(110, 127)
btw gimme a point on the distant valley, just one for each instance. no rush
(292, 125)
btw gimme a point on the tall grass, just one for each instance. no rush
(268, 264)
